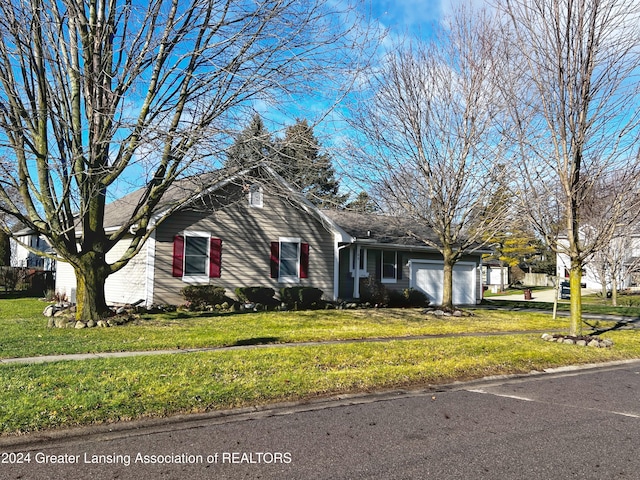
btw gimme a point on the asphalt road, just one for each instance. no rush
(582, 424)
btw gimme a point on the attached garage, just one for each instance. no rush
(427, 276)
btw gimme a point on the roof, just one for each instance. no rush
(180, 191)
(387, 230)
(382, 229)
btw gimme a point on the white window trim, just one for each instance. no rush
(196, 279)
(289, 278)
(395, 275)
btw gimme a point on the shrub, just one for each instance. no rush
(200, 296)
(374, 292)
(263, 295)
(415, 298)
(409, 297)
(302, 298)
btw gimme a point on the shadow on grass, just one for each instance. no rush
(256, 341)
(597, 329)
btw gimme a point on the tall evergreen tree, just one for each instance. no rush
(253, 145)
(363, 203)
(301, 163)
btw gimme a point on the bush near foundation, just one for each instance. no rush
(302, 298)
(257, 295)
(200, 296)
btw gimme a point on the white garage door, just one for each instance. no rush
(428, 277)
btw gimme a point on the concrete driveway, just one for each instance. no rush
(537, 296)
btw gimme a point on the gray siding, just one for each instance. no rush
(246, 235)
(374, 266)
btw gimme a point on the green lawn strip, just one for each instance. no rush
(25, 334)
(44, 396)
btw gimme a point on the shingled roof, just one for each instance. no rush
(120, 211)
(382, 229)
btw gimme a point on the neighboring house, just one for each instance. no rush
(23, 257)
(622, 259)
(252, 229)
(495, 275)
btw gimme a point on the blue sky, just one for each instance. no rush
(412, 16)
(398, 18)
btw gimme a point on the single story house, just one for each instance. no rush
(251, 228)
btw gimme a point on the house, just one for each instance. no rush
(252, 229)
(621, 258)
(495, 275)
(24, 257)
(381, 249)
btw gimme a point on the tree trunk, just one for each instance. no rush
(614, 290)
(447, 279)
(575, 286)
(91, 274)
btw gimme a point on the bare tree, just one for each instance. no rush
(572, 82)
(95, 91)
(427, 144)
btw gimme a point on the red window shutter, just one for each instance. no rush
(215, 258)
(275, 259)
(304, 260)
(178, 256)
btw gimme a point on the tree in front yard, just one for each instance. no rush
(427, 141)
(95, 93)
(572, 86)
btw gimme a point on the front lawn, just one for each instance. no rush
(71, 393)
(24, 331)
(62, 394)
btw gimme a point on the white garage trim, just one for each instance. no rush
(427, 276)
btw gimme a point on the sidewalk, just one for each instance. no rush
(546, 296)
(93, 356)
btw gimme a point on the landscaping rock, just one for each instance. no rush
(80, 325)
(581, 341)
(60, 322)
(49, 311)
(102, 324)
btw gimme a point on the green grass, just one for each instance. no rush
(69, 393)
(43, 396)
(22, 319)
(628, 304)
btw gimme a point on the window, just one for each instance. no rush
(389, 266)
(256, 196)
(289, 260)
(196, 257)
(289, 257)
